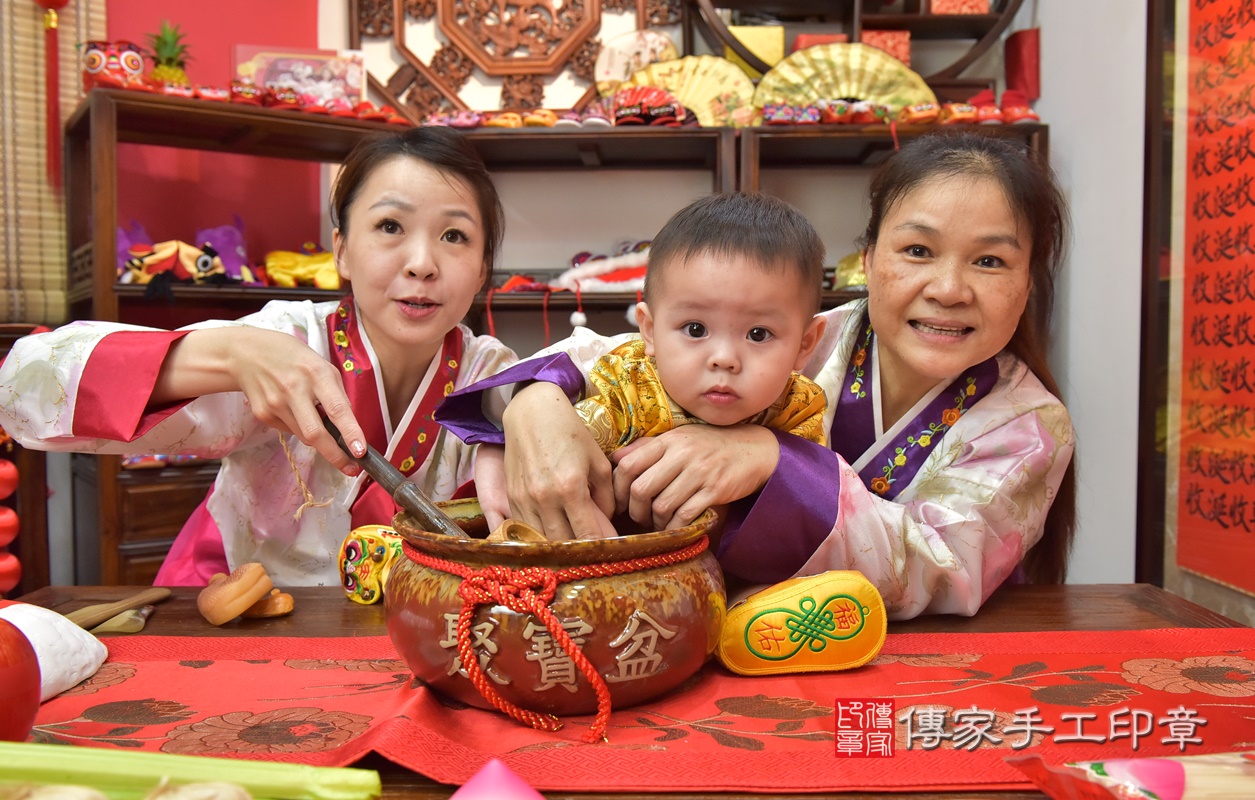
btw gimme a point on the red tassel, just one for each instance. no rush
(52, 98)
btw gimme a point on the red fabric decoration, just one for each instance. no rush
(331, 701)
(52, 90)
(1022, 55)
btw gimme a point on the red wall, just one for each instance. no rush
(172, 192)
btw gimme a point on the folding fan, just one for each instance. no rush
(713, 88)
(842, 71)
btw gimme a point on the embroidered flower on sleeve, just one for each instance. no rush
(407, 464)
(880, 485)
(950, 416)
(348, 365)
(341, 339)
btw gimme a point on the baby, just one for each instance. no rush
(729, 314)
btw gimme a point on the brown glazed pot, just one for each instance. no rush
(645, 632)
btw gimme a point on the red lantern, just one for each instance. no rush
(8, 478)
(52, 88)
(10, 572)
(9, 525)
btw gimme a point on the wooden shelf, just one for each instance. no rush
(153, 119)
(260, 295)
(229, 293)
(934, 26)
(597, 300)
(798, 146)
(854, 17)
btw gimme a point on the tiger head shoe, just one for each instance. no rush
(820, 623)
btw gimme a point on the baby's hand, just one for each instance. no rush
(667, 481)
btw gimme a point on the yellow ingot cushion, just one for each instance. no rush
(831, 621)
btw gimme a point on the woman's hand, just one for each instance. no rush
(284, 381)
(490, 487)
(667, 481)
(557, 478)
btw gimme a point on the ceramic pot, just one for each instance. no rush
(644, 631)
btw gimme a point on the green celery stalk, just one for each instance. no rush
(126, 775)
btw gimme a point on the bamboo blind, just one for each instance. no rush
(33, 254)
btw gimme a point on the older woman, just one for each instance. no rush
(949, 463)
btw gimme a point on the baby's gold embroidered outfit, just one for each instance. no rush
(631, 403)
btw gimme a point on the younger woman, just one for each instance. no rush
(417, 227)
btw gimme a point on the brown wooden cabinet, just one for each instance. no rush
(126, 519)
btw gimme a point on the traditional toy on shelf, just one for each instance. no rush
(171, 261)
(228, 242)
(290, 269)
(366, 557)
(113, 65)
(624, 271)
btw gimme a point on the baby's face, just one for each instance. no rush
(727, 334)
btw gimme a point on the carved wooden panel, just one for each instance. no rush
(518, 43)
(518, 37)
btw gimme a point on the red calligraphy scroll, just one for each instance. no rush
(1216, 461)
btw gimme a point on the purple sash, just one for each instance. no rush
(854, 428)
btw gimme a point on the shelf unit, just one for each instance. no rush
(130, 517)
(853, 145)
(856, 16)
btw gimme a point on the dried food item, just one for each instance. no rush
(275, 604)
(228, 596)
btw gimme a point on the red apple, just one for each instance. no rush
(8, 478)
(9, 525)
(19, 684)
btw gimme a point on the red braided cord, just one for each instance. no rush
(893, 130)
(516, 590)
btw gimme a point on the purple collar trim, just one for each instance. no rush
(895, 466)
(854, 424)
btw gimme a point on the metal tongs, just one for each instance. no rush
(409, 497)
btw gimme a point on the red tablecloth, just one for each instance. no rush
(960, 705)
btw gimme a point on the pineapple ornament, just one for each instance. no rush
(169, 56)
